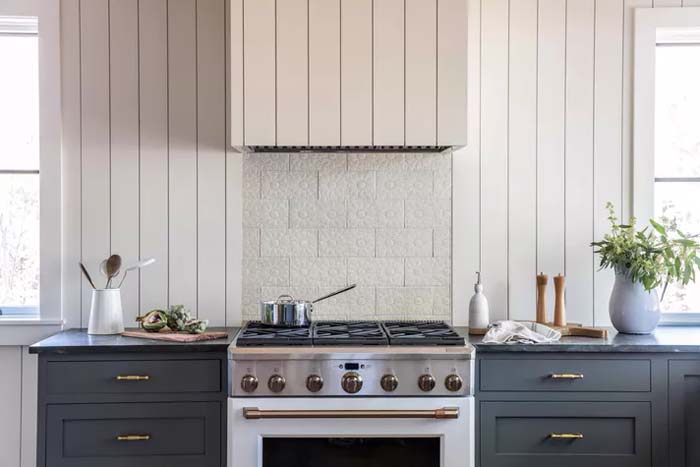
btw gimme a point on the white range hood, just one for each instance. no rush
(332, 75)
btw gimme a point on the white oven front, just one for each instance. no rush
(351, 432)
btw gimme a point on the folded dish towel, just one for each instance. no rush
(513, 332)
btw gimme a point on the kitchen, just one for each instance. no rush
(261, 148)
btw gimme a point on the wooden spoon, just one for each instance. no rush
(112, 267)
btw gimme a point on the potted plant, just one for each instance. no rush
(644, 261)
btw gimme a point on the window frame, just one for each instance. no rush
(23, 331)
(647, 21)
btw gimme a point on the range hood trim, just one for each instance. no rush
(354, 149)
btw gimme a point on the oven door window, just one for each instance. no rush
(351, 452)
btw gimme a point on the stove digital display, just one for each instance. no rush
(352, 366)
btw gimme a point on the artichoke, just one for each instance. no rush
(196, 326)
(153, 321)
(177, 317)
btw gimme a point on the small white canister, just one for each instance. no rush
(106, 312)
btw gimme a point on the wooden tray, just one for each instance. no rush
(175, 336)
(571, 329)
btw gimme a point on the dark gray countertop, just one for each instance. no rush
(79, 341)
(669, 339)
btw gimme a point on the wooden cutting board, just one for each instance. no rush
(571, 329)
(175, 336)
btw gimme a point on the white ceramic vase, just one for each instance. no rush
(106, 312)
(633, 310)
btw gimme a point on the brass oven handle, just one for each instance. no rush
(445, 413)
(566, 376)
(133, 437)
(133, 378)
(565, 436)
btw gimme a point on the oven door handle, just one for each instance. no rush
(445, 413)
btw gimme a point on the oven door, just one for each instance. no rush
(351, 432)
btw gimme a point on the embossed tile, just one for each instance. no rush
(265, 161)
(428, 271)
(346, 242)
(298, 293)
(251, 184)
(250, 303)
(428, 213)
(354, 304)
(372, 161)
(283, 185)
(342, 185)
(313, 213)
(251, 242)
(404, 242)
(265, 213)
(442, 184)
(289, 242)
(265, 271)
(413, 302)
(442, 242)
(332, 161)
(376, 271)
(429, 161)
(441, 303)
(404, 185)
(375, 213)
(318, 272)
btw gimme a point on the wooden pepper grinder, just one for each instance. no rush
(542, 298)
(559, 308)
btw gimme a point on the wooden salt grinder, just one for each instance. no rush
(542, 298)
(559, 308)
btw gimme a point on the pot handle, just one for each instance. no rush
(285, 298)
(332, 294)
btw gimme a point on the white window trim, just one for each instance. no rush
(26, 331)
(647, 20)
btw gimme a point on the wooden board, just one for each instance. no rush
(571, 329)
(175, 336)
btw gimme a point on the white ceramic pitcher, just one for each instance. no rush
(106, 312)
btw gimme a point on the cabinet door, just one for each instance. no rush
(259, 72)
(388, 72)
(684, 412)
(356, 72)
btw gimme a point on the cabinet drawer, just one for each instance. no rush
(173, 434)
(612, 434)
(133, 376)
(565, 375)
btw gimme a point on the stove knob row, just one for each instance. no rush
(314, 383)
(249, 383)
(276, 383)
(351, 382)
(426, 383)
(453, 383)
(389, 383)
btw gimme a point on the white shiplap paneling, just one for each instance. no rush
(11, 397)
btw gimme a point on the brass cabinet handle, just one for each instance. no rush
(133, 437)
(253, 413)
(133, 378)
(566, 376)
(565, 436)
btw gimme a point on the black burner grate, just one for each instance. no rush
(421, 333)
(256, 334)
(348, 333)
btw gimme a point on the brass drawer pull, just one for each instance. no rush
(445, 413)
(566, 376)
(133, 378)
(565, 436)
(133, 437)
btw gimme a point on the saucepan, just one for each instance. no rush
(288, 312)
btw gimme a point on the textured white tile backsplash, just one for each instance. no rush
(315, 222)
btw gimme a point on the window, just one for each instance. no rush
(666, 133)
(19, 167)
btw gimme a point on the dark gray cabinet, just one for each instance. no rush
(684, 412)
(132, 409)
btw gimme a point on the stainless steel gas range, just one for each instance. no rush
(352, 394)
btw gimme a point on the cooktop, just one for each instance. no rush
(350, 333)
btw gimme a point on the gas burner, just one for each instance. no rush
(421, 333)
(256, 334)
(348, 333)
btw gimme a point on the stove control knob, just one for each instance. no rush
(426, 383)
(453, 383)
(276, 383)
(351, 382)
(314, 383)
(389, 383)
(249, 383)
